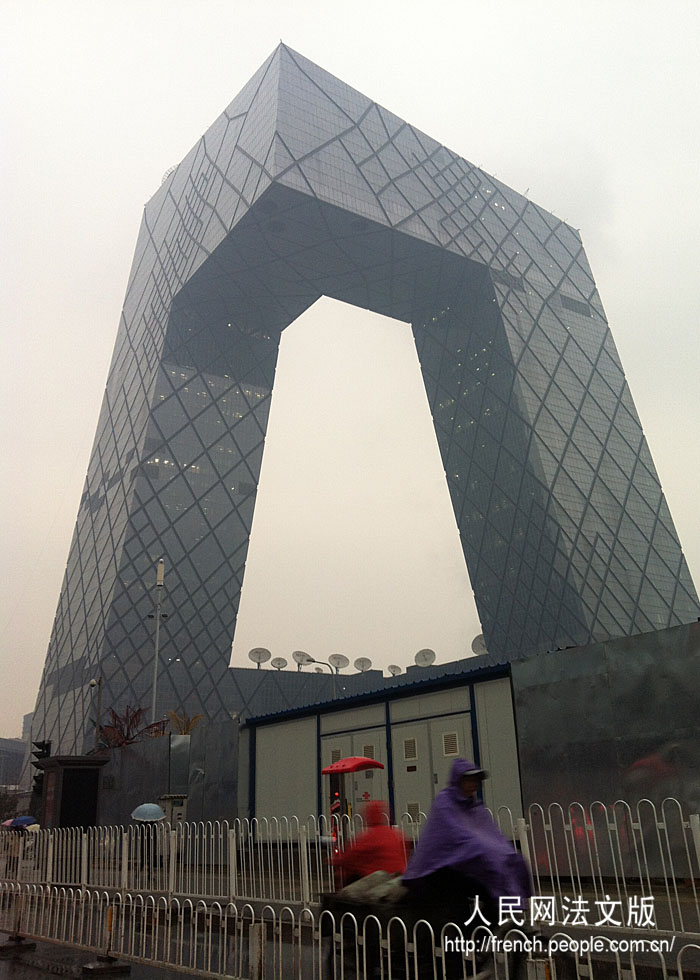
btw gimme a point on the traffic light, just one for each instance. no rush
(42, 750)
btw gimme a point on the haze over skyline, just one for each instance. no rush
(592, 112)
(353, 521)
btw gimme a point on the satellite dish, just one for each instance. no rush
(338, 660)
(170, 170)
(362, 664)
(394, 669)
(479, 644)
(302, 658)
(259, 655)
(278, 663)
(318, 670)
(424, 658)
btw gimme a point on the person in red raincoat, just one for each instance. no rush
(378, 848)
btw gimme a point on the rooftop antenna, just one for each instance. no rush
(279, 663)
(362, 664)
(424, 658)
(394, 670)
(259, 655)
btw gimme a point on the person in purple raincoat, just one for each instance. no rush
(461, 854)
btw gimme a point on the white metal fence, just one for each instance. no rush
(283, 859)
(590, 855)
(234, 940)
(618, 853)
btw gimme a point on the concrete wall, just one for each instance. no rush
(213, 772)
(615, 719)
(135, 774)
(201, 766)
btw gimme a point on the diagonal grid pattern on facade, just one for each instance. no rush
(303, 188)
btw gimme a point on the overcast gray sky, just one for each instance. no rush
(592, 108)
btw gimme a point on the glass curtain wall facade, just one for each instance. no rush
(303, 187)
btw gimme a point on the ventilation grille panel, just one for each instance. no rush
(450, 743)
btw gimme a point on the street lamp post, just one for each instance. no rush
(160, 575)
(98, 684)
(313, 660)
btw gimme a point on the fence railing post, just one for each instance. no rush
(49, 859)
(232, 865)
(257, 941)
(16, 940)
(521, 834)
(172, 863)
(105, 962)
(124, 882)
(20, 859)
(107, 933)
(304, 866)
(83, 861)
(695, 831)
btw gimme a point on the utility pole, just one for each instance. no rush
(160, 576)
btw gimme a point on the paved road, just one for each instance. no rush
(49, 960)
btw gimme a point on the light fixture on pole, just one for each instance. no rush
(160, 577)
(98, 684)
(313, 660)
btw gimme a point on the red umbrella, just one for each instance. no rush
(353, 763)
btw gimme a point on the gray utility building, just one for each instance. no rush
(415, 730)
(305, 188)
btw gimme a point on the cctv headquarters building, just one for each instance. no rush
(304, 188)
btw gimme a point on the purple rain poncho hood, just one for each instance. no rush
(461, 835)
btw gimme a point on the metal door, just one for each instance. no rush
(333, 748)
(413, 792)
(370, 784)
(450, 738)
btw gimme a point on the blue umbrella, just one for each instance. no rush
(23, 821)
(148, 813)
